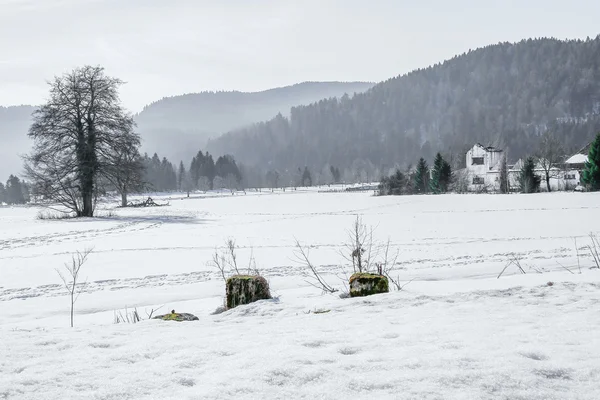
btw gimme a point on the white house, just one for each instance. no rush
(482, 172)
(483, 167)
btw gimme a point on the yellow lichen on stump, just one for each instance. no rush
(179, 317)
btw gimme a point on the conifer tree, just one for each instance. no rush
(2, 193)
(591, 172)
(393, 185)
(445, 176)
(436, 175)
(180, 176)
(529, 181)
(209, 170)
(503, 176)
(306, 177)
(14, 191)
(422, 177)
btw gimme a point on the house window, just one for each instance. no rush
(570, 176)
(477, 160)
(478, 180)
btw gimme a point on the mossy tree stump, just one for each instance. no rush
(246, 289)
(365, 284)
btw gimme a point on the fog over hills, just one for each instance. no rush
(177, 127)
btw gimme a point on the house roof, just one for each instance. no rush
(577, 159)
(491, 149)
(518, 166)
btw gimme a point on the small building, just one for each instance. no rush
(483, 165)
(483, 168)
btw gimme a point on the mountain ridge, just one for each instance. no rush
(505, 94)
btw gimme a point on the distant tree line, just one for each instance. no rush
(419, 180)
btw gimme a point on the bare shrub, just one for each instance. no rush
(71, 281)
(359, 248)
(133, 316)
(226, 261)
(513, 260)
(362, 251)
(594, 248)
(314, 277)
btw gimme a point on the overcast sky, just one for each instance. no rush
(164, 48)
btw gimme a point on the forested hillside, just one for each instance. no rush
(504, 95)
(178, 126)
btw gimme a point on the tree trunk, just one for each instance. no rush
(88, 199)
(72, 304)
(87, 167)
(124, 198)
(548, 182)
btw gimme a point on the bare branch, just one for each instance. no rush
(315, 278)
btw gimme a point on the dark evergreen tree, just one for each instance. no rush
(180, 176)
(209, 170)
(159, 175)
(306, 177)
(393, 185)
(421, 178)
(335, 173)
(2, 193)
(14, 191)
(528, 180)
(435, 184)
(446, 177)
(591, 172)
(226, 166)
(503, 178)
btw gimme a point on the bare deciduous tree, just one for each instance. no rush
(231, 183)
(77, 134)
(549, 156)
(203, 183)
(71, 281)
(125, 170)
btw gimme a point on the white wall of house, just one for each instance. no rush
(479, 162)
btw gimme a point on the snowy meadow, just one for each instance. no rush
(455, 331)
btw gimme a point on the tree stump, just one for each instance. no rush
(365, 284)
(246, 289)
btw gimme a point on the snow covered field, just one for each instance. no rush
(454, 332)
